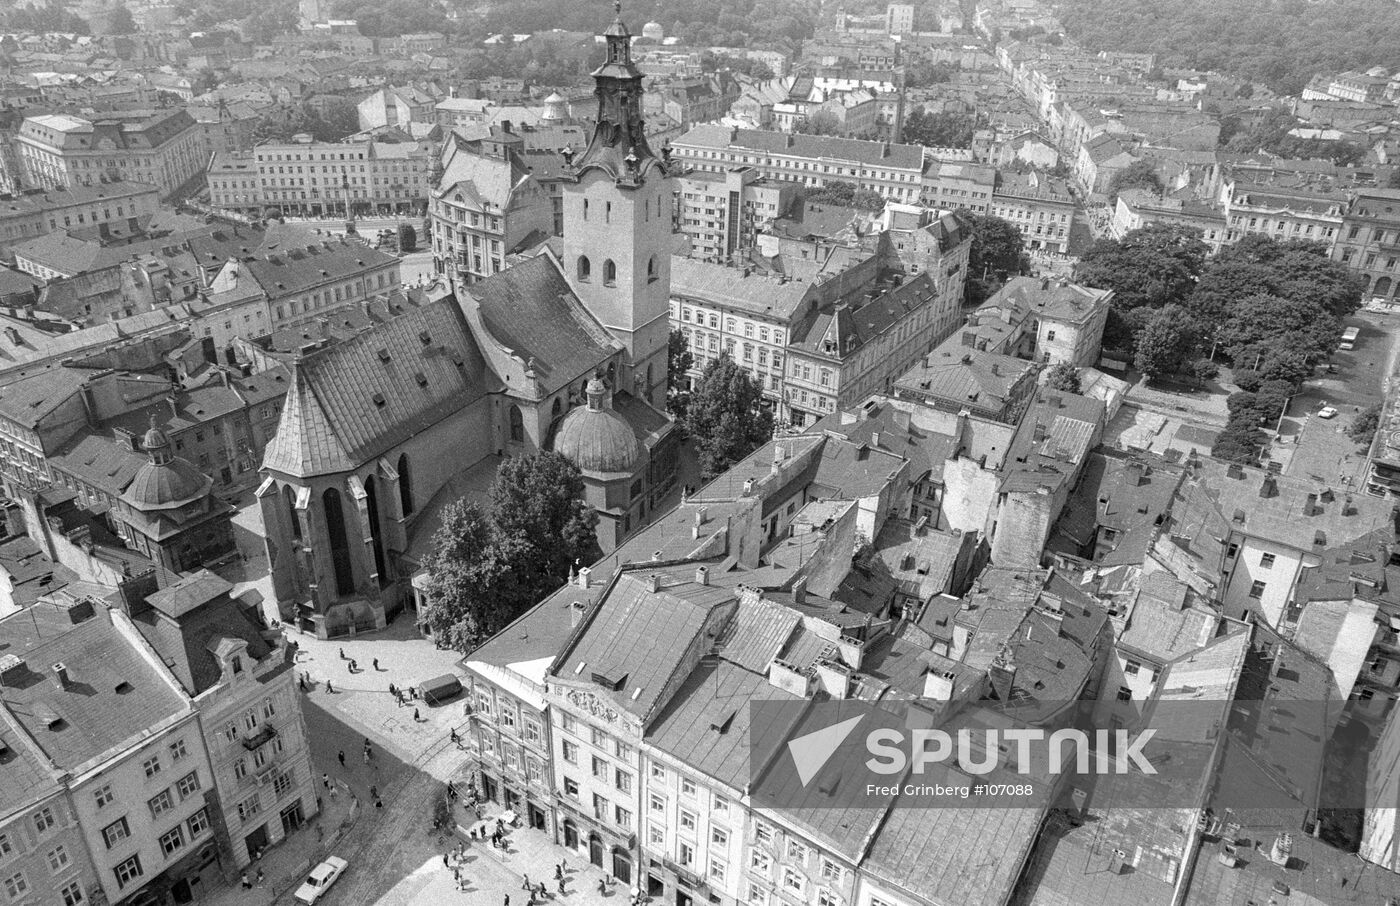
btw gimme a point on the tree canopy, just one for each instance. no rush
(1153, 266)
(846, 195)
(491, 563)
(1140, 174)
(1063, 376)
(939, 130)
(1281, 44)
(679, 361)
(1164, 344)
(997, 252)
(727, 418)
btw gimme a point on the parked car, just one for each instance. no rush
(321, 878)
(441, 689)
(1327, 412)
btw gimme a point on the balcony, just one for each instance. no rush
(265, 734)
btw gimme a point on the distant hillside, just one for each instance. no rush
(1281, 44)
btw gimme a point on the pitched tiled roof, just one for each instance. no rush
(355, 400)
(187, 622)
(879, 154)
(531, 310)
(288, 273)
(770, 297)
(114, 693)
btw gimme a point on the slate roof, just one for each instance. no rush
(850, 328)
(115, 694)
(1162, 624)
(756, 294)
(531, 310)
(290, 272)
(926, 450)
(707, 724)
(825, 147)
(640, 637)
(187, 622)
(1127, 493)
(353, 401)
(963, 376)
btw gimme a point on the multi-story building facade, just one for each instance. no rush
(1039, 206)
(1299, 211)
(250, 716)
(1369, 240)
(164, 149)
(302, 285)
(107, 714)
(723, 214)
(839, 357)
(324, 179)
(895, 171)
(1137, 208)
(487, 204)
(43, 855)
(950, 185)
(31, 214)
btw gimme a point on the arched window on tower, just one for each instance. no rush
(609, 272)
(517, 425)
(651, 269)
(585, 269)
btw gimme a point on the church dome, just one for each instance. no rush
(654, 31)
(166, 486)
(597, 439)
(165, 482)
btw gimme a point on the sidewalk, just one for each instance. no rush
(286, 865)
(492, 875)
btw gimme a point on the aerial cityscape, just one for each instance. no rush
(741, 453)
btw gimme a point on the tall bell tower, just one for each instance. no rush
(617, 223)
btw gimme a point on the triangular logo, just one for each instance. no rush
(811, 752)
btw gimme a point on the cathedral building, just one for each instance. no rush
(565, 351)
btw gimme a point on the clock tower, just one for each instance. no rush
(617, 223)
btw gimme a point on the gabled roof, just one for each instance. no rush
(531, 311)
(187, 624)
(354, 401)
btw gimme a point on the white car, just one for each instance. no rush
(1327, 412)
(321, 877)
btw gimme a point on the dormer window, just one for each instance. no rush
(237, 664)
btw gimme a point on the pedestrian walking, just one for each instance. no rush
(261, 876)
(561, 885)
(602, 886)
(341, 756)
(376, 665)
(329, 690)
(416, 718)
(326, 781)
(333, 792)
(366, 756)
(527, 885)
(393, 691)
(342, 654)
(379, 803)
(444, 860)
(243, 880)
(374, 792)
(559, 871)
(507, 902)
(541, 891)
(351, 665)
(453, 733)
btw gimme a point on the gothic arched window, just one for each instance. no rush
(609, 272)
(585, 269)
(651, 269)
(517, 425)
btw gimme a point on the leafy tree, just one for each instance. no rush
(1153, 266)
(939, 130)
(537, 504)
(408, 237)
(922, 74)
(1363, 428)
(1239, 442)
(823, 122)
(464, 569)
(1140, 174)
(727, 417)
(1300, 272)
(996, 253)
(1255, 320)
(846, 195)
(756, 69)
(1204, 370)
(120, 22)
(1063, 376)
(679, 361)
(1163, 345)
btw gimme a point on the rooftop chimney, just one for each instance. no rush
(583, 573)
(748, 486)
(654, 581)
(12, 670)
(799, 590)
(702, 575)
(1269, 487)
(576, 611)
(60, 675)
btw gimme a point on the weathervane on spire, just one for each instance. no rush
(617, 8)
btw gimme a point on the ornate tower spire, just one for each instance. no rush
(619, 145)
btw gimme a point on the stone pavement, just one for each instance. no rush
(492, 874)
(286, 865)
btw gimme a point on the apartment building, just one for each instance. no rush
(243, 687)
(1286, 209)
(323, 179)
(29, 214)
(840, 356)
(103, 710)
(1137, 208)
(303, 284)
(950, 185)
(895, 171)
(1369, 240)
(723, 214)
(164, 149)
(488, 204)
(1039, 206)
(1041, 319)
